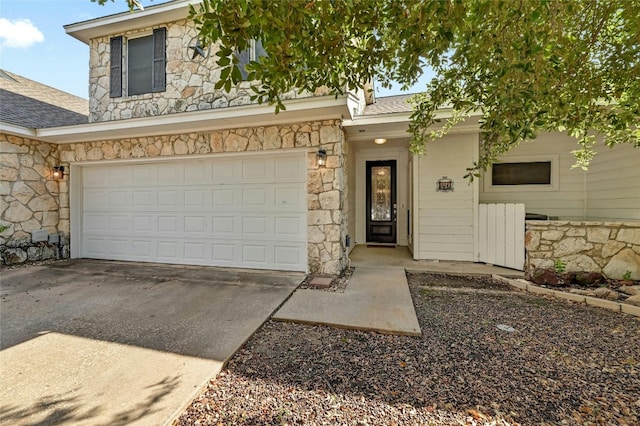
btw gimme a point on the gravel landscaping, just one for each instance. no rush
(488, 355)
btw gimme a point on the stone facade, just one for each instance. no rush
(31, 200)
(38, 205)
(190, 84)
(610, 248)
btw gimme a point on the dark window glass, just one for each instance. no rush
(534, 173)
(252, 53)
(140, 65)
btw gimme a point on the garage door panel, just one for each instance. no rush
(232, 211)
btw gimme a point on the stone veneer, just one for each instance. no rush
(30, 200)
(610, 248)
(37, 201)
(190, 85)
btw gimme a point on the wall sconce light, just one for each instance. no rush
(321, 157)
(380, 141)
(58, 172)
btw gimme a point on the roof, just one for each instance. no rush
(27, 103)
(389, 105)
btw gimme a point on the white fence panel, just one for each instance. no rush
(501, 235)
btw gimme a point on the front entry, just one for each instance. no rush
(382, 210)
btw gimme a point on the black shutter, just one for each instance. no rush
(159, 80)
(115, 82)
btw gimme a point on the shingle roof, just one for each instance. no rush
(389, 105)
(27, 103)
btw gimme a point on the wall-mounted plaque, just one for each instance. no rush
(444, 184)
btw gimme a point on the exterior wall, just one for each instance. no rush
(190, 85)
(611, 248)
(613, 183)
(35, 201)
(566, 201)
(351, 199)
(445, 221)
(325, 187)
(30, 200)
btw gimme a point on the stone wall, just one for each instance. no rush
(326, 187)
(610, 248)
(30, 200)
(190, 85)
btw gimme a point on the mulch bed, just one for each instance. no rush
(565, 363)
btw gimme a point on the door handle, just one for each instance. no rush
(395, 212)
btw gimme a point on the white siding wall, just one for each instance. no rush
(613, 183)
(445, 220)
(566, 200)
(351, 199)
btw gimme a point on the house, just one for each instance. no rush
(168, 169)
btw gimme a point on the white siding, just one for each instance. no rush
(566, 200)
(445, 220)
(613, 183)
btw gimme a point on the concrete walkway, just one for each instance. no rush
(375, 299)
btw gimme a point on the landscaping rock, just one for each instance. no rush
(606, 293)
(633, 300)
(546, 277)
(589, 278)
(631, 290)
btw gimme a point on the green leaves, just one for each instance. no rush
(529, 67)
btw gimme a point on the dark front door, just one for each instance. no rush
(381, 202)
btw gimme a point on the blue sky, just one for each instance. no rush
(33, 42)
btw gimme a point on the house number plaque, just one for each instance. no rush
(444, 184)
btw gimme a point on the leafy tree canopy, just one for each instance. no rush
(527, 65)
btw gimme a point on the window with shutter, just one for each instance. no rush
(146, 64)
(159, 60)
(115, 80)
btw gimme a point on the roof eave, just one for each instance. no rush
(306, 109)
(15, 130)
(125, 21)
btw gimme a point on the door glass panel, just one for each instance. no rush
(381, 193)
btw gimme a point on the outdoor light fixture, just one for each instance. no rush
(58, 172)
(321, 157)
(380, 141)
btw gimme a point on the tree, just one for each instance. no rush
(527, 65)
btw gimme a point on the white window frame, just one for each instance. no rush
(555, 174)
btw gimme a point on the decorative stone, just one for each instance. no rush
(580, 263)
(629, 235)
(330, 200)
(588, 278)
(633, 300)
(22, 192)
(14, 256)
(631, 290)
(606, 293)
(625, 260)
(17, 213)
(612, 247)
(546, 277)
(552, 235)
(43, 203)
(319, 217)
(332, 232)
(598, 235)
(571, 246)
(532, 240)
(316, 235)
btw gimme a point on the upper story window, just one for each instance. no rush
(145, 59)
(252, 53)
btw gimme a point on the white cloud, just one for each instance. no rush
(19, 33)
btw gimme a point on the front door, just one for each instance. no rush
(381, 202)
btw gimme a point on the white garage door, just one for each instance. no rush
(243, 211)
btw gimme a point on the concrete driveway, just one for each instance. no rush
(114, 343)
